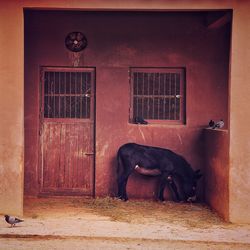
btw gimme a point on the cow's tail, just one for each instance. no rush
(119, 165)
(120, 175)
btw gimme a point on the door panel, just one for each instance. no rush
(67, 131)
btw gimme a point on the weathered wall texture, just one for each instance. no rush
(217, 171)
(11, 109)
(239, 153)
(117, 41)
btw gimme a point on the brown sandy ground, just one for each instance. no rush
(114, 244)
(85, 223)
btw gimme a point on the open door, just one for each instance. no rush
(67, 131)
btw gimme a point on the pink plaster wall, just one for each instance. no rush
(217, 171)
(11, 109)
(118, 40)
(239, 151)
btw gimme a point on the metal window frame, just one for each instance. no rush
(59, 69)
(182, 111)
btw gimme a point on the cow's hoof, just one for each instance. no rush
(117, 199)
(122, 198)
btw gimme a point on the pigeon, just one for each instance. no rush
(219, 124)
(211, 123)
(12, 220)
(140, 120)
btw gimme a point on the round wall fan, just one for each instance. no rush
(76, 41)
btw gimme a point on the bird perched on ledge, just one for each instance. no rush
(12, 220)
(140, 120)
(211, 123)
(219, 124)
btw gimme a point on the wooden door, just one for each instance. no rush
(67, 131)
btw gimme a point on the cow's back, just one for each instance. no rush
(155, 157)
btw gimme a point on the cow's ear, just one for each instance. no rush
(198, 175)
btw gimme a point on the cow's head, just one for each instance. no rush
(191, 186)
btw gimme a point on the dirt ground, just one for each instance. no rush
(82, 223)
(119, 244)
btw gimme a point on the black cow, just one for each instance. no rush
(172, 168)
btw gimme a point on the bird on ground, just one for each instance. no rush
(12, 220)
(219, 124)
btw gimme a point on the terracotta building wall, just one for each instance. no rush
(217, 171)
(117, 41)
(12, 83)
(11, 109)
(239, 151)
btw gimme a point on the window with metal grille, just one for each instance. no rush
(157, 95)
(66, 94)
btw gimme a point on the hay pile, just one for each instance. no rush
(136, 211)
(132, 211)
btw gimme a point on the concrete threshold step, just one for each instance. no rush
(120, 239)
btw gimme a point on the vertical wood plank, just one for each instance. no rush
(66, 168)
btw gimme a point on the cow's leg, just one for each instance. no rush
(119, 184)
(167, 178)
(122, 178)
(124, 189)
(127, 169)
(122, 184)
(173, 187)
(161, 189)
(174, 190)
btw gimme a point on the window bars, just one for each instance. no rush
(67, 94)
(157, 94)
